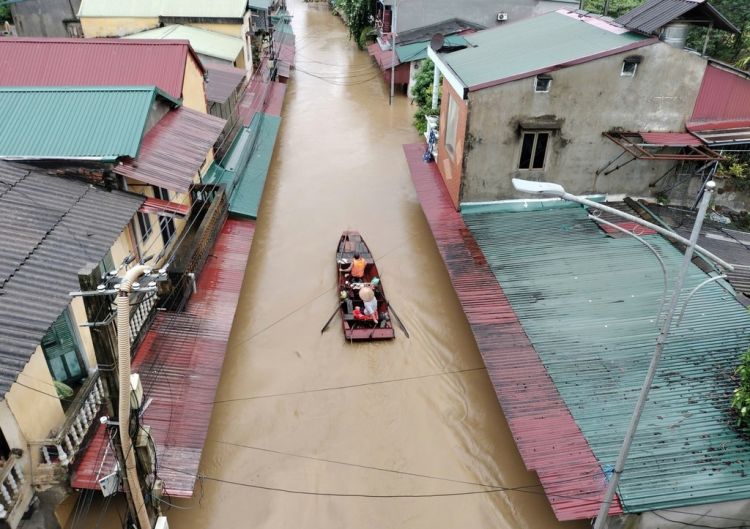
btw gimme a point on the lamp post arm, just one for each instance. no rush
(658, 229)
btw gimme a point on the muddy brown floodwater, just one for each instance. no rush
(415, 420)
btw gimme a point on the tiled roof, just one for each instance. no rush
(174, 150)
(74, 123)
(203, 41)
(94, 62)
(50, 227)
(535, 45)
(589, 305)
(652, 15)
(163, 8)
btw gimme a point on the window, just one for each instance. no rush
(166, 224)
(144, 224)
(61, 351)
(107, 264)
(542, 83)
(630, 65)
(451, 127)
(533, 150)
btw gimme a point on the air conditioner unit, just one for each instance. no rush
(502, 17)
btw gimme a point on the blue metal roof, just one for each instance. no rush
(589, 304)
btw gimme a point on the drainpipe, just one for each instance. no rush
(123, 352)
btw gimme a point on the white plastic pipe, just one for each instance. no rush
(123, 362)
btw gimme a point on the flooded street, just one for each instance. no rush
(311, 431)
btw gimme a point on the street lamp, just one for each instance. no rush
(546, 188)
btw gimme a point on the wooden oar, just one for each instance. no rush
(338, 307)
(398, 320)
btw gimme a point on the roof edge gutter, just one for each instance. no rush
(448, 73)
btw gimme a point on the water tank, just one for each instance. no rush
(675, 34)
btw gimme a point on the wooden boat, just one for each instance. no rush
(356, 329)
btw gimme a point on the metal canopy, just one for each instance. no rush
(663, 146)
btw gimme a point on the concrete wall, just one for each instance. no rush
(35, 405)
(194, 87)
(15, 439)
(418, 13)
(586, 100)
(43, 18)
(116, 27)
(451, 164)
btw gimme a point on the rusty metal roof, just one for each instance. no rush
(95, 62)
(180, 363)
(174, 150)
(548, 439)
(724, 97)
(222, 81)
(651, 16)
(50, 227)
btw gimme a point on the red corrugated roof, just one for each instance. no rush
(547, 436)
(156, 205)
(174, 150)
(180, 364)
(670, 139)
(95, 62)
(724, 96)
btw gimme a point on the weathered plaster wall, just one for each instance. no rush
(450, 164)
(193, 87)
(117, 26)
(35, 405)
(587, 100)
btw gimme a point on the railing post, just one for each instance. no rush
(19, 473)
(6, 495)
(61, 455)
(12, 482)
(3, 512)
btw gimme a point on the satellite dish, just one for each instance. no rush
(436, 42)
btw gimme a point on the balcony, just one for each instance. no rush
(15, 494)
(58, 452)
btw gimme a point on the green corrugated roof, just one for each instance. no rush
(205, 42)
(418, 50)
(74, 122)
(245, 178)
(530, 45)
(165, 8)
(588, 304)
(259, 4)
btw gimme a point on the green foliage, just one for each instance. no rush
(5, 14)
(356, 14)
(741, 395)
(616, 7)
(364, 36)
(63, 390)
(422, 93)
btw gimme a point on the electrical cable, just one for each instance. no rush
(688, 524)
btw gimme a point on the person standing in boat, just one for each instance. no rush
(356, 268)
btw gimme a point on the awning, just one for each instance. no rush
(164, 208)
(722, 133)
(174, 150)
(384, 58)
(663, 146)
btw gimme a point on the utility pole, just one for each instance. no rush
(601, 518)
(104, 338)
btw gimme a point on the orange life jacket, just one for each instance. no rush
(358, 267)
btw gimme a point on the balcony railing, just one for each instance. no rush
(12, 481)
(61, 450)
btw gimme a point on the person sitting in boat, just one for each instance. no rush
(356, 268)
(367, 295)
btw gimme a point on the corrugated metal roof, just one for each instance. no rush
(50, 227)
(417, 51)
(260, 4)
(670, 139)
(163, 8)
(528, 47)
(180, 364)
(174, 150)
(94, 62)
(222, 81)
(246, 165)
(203, 41)
(73, 123)
(548, 439)
(723, 96)
(652, 15)
(719, 137)
(588, 304)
